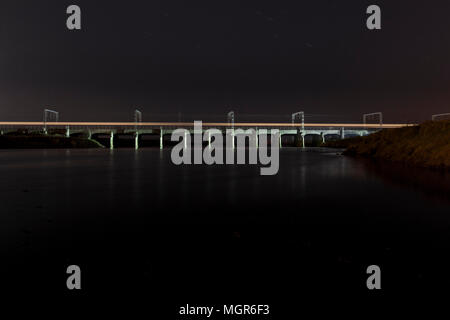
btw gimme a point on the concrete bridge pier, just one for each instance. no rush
(342, 133)
(232, 138)
(300, 137)
(136, 140)
(111, 140)
(322, 135)
(89, 134)
(68, 132)
(161, 139)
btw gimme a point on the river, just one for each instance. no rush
(133, 216)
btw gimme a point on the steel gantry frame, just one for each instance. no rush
(434, 116)
(369, 115)
(47, 113)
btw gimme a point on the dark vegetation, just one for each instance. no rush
(19, 140)
(425, 145)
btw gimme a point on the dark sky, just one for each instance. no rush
(263, 59)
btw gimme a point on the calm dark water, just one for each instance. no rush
(134, 220)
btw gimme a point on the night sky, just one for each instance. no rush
(263, 59)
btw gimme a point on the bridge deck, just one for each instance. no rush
(205, 124)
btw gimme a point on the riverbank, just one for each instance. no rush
(35, 141)
(425, 145)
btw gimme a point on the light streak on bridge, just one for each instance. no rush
(205, 124)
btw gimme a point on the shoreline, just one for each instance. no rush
(39, 141)
(426, 145)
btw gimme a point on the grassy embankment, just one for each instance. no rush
(425, 145)
(35, 140)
